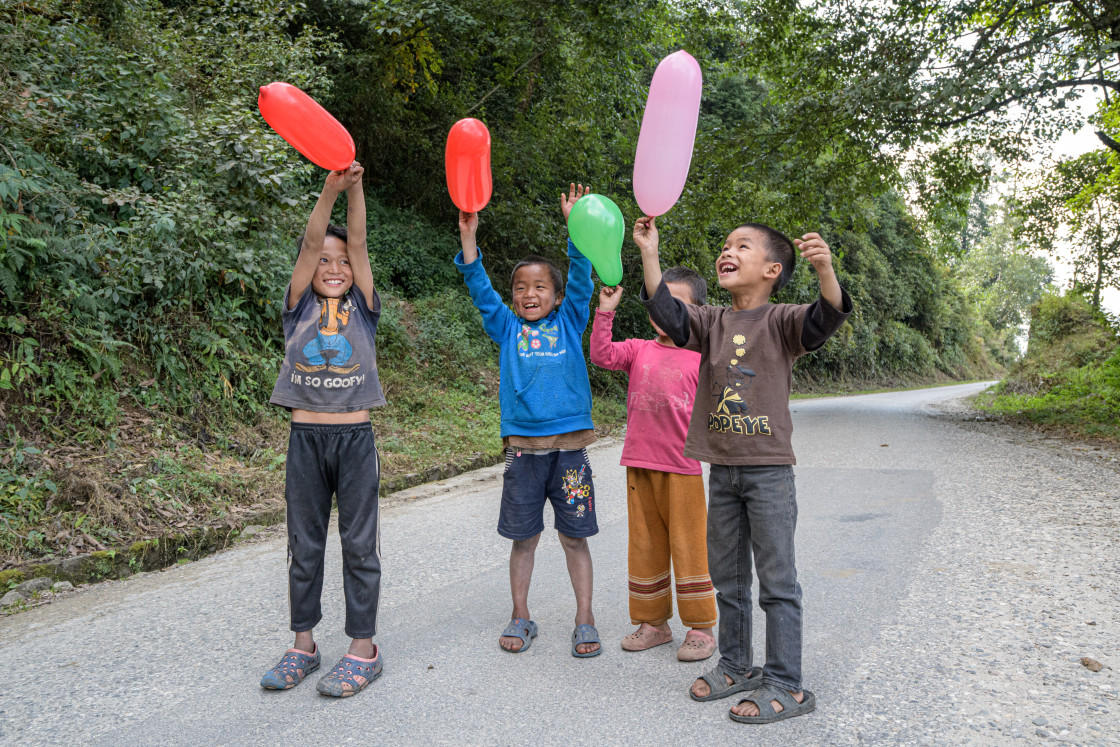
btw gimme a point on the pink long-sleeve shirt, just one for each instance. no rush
(659, 398)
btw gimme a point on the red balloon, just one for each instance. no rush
(308, 127)
(467, 162)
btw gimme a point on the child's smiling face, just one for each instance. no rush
(333, 276)
(534, 295)
(745, 261)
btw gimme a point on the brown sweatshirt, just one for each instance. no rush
(741, 415)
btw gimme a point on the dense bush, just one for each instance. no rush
(149, 214)
(148, 219)
(1070, 375)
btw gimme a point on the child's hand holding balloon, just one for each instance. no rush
(343, 179)
(609, 297)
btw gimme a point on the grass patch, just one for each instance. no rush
(1082, 401)
(156, 477)
(69, 499)
(1069, 380)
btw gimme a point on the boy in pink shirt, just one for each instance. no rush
(665, 490)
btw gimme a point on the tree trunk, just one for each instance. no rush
(1100, 277)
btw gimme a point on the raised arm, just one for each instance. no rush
(316, 233)
(496, 316)
(356, 248)
(814, 249)
(468, 236)
(577, 294)
(605, 353)
(645, 236)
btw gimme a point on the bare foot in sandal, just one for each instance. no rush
(749, 709)
(647, 636)
(701, 690)
(518, 635)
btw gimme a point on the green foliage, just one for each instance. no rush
(910, 319)
(25, 493)
(1078, 200)
(1070, 376)
(147, 205)
(409, 254)
(1000, 277)
(1067, 332)
(148, 215)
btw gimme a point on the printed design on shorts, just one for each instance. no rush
(532, 340)
(732, 414)
(654, 587)
(576, 491)
(329, 350)
(694, 587)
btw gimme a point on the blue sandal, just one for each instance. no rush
(352, 671)
(526, 630)
(585, 634)
(291, 670)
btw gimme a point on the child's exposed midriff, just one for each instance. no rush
(309, 416)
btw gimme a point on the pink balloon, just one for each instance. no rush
(668, 133)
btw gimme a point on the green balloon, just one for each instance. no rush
(597, 229)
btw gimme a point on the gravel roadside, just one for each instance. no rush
(1016, 600)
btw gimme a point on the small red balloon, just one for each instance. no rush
(308, 127)
(467, 162)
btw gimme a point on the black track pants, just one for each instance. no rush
(325, 460)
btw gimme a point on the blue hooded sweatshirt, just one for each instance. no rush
(544, 388)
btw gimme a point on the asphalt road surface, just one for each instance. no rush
(885, 488)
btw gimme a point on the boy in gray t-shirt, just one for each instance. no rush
(329, 381)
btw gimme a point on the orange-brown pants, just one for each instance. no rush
(668, 521)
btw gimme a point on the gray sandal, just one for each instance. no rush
(718, 687)
(766, 713)
(518, 627)
(585, 634)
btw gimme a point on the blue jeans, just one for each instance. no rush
(753, 511)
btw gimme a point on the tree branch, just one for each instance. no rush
(986, 34)
(1071, 83)
(494, 90)
(1109, 142)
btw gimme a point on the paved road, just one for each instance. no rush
(174, 657)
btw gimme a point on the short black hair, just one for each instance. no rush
(332, 230)
(553, 272)
(697, 286)
(778, 249)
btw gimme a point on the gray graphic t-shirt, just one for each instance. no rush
(330, 358)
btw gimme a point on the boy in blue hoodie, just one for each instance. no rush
(545, 397)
